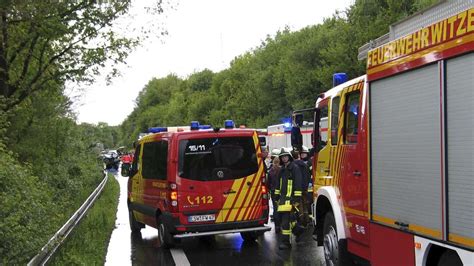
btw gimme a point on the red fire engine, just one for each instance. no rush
(394, 181)
(198, 182)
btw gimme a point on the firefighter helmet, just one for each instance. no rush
(285, 151)
(304, 149)
(275, 152)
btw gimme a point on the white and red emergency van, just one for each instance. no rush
(394, 183)
(279, 135)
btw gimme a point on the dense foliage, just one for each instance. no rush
(48, 163)
(286, 72)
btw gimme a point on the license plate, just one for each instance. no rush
(202, 218)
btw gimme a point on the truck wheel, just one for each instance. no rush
(449, 257)
(249, 236)
(135, 225)
(165, 237)
(335, 252)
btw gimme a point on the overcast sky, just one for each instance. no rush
(201, 34)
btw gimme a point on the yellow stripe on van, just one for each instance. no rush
(251, 199)
(230, 199)
(240, 200)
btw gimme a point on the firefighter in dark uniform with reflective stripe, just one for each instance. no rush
(290, 191)
(305, 157)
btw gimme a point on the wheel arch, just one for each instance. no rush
(327, 201)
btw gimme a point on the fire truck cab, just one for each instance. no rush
(198, 182)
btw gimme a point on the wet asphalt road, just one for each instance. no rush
(128, 249)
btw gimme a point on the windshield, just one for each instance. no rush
(217, 158)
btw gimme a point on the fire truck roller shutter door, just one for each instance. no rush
(460, 146)
(406, 157)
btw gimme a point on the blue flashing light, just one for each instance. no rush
(339, 78)
(205, 127)
(287, 125)
(194, 125)
(229, 124)
(353, 109)
(157, 129)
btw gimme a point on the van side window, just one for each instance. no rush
(352, 118)
(334, 119)
(136, 157)
(154, 160)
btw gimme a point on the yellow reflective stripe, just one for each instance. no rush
(289, 186)
(284, 208)
(310, 190)
(277, 191)
(285, 232)
(297, 193)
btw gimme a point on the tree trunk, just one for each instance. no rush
(4, 89)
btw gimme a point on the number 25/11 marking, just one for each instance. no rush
(198, 200)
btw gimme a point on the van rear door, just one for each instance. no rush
(243, 182)
(199, 188)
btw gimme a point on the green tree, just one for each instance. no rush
(46, 41)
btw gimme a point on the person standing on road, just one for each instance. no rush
(272, 184)
(305, 157)
(289, 194)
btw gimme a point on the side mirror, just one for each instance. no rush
(298, 119)
(296, 138)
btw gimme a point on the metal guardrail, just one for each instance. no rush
(50, 248)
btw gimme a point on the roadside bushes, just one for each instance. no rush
(25, 220)
(95, 230)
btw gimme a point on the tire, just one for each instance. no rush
(250, 236)
(164, 236)
(335, 252)
(450, 258)
(135, 226)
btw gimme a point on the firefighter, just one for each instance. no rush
(301, 216)
(272, 184)
(305, 157)
(288, 193)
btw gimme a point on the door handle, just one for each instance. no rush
(356, 173)
(326, 170)
(230, 191)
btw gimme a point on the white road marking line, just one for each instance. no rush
(179, 257)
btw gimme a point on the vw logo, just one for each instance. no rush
(220, 174)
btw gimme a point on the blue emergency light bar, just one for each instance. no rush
(229, 124)
(157, 129)
(339, 78)
(194, 125)
(205, 127)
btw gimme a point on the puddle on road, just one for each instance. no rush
(118, 251)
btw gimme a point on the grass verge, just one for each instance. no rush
(87, 244)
